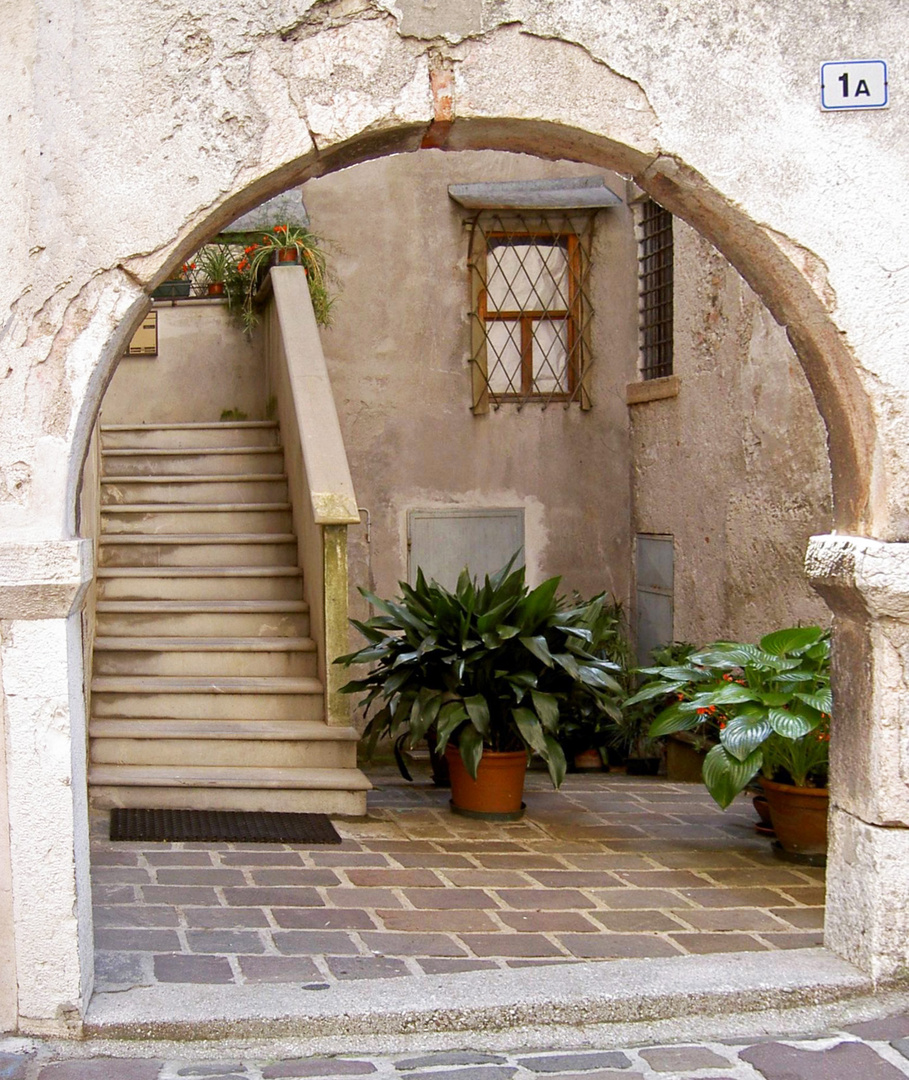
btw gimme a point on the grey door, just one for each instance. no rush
(443, 542)
(654, 579)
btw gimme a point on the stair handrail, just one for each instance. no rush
(317, 468)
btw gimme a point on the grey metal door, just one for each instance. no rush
(443, 542)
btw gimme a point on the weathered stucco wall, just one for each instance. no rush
(735, 467)
(205, 365)
(398, 354)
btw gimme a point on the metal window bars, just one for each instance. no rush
(655, 290)
(530, 308)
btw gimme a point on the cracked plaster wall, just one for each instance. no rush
(735, 467)
(212, 110)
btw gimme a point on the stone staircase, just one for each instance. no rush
(205, 691)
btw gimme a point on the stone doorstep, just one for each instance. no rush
(626, 992)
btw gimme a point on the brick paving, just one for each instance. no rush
(873, 1050)
(608, 867)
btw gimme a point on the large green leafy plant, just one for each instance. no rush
(492, 666)
(771, 704)
(590, 722)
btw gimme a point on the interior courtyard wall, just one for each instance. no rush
(398, 354)
(205, 365)
(735, 466)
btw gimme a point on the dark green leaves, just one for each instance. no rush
(725, 775)
(493, 664)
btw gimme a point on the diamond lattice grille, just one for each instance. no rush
(531, 312)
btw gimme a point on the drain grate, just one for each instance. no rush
(228, 826)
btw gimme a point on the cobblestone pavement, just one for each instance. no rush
(608, 867)
(873, 1050)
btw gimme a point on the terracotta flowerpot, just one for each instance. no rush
(588, 761)
(764, 826)
(497, 792)
(799, 817)
(287, 255)
(216, 288)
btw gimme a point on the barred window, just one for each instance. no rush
(530, 312)
(655, 290)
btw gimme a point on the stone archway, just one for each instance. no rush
(245, 110)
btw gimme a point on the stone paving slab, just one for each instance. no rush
(588, 874)
(866, 1051)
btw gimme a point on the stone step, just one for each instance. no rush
(177, 790)
(202, 618)
(220, 460)
(214, 433)
(275, 730)
(252, 488)
(216, 750)
(196, 698)
(222, 519)
(253, 549)
(206, 657)
(200, 583)
(237, 776)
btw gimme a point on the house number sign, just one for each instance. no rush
(854, 84)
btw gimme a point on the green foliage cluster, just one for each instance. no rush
(494, 666)
(216, 262)
(250, 270)
(630, 735)
(771, 704)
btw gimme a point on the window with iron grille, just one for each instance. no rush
(655, 290)
(530, 309)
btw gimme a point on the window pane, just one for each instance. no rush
(527, 277)
(550, 356)
(503, 356)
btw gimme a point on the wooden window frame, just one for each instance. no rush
(575, 243)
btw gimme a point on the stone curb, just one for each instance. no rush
(622, 992)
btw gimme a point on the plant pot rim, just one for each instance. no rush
(452, 749)
(775, 785)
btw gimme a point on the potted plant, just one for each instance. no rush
(488, 669)
(684, 750)
(283, 243)
(216, 264)
(771, 704)
(588, 726)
